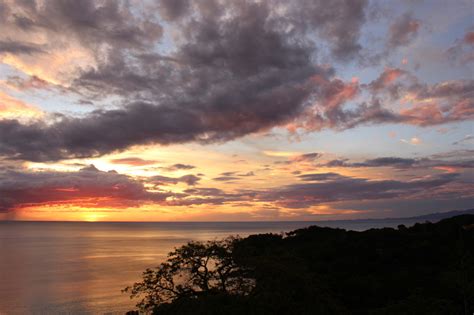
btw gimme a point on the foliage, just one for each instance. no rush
(424, 269)
(191, 271)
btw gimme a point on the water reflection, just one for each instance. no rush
(80, 268)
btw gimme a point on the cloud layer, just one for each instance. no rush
(115, 76)
(234, 69)
(90, 187)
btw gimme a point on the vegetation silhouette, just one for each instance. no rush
(193, 271)
(424, 269)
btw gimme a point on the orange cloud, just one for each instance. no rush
(280, 153)
(11, 108)
(133, 161)
(446, 168)
(388, 76)
(339, 93)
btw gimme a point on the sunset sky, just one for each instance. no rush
(235, 110)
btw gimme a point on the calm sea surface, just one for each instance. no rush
(80, 268)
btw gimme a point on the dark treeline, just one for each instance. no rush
(424, 269)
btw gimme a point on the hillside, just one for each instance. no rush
(424, 269)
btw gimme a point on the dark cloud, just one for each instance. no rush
(227, 173)
(429, 105)
(324, 188)
(178, 166)
(402, 163)
(87, 187)
(238, 68)
(386, 79)
(455, 154)
(205, 191)
(248, 174)
(469, 38)
(15, 47)
(173, 9)
(226, 178)
(215, 196)
(253, 108)
(190, 180)
(403, 30)
(90, 187)
(339, 23)
(32, 82)
(390, 161)
(306, 157)
(335, 163)
(461, 51)
(320, 177)
(466, 140)
(340, 188)
(302, 158)
(440, 103)
(90, 22)
(235, 68)
(453, 88)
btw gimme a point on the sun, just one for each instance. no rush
(92, 217)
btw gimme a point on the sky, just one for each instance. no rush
(212, 110)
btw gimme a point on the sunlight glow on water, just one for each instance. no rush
(80, 268)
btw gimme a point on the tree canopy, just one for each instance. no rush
(191, 271)
(424, 269)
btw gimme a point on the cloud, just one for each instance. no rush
(12, 108)
(405, 163)
(190, 180)
(174, 9)
(29, 83)
(248, 174)
(422, 104)
(321, 188)
(320, 177)
(299, 158)
(412, 141)
(15, 47)
(92, 188)
(386, 78)
(340, 24)
(403, 30)
(226, 178)
(307, 157)
(90, 22)
(224, 70)
(461, 51)
(88, 187)
(71, 36)
(178, 167)
(279, 153)
(440, 103)
(469, 38)
(455, 154)
(336, 187)
(468, 139)
(133, 161)
(244, 66)
(80, 137)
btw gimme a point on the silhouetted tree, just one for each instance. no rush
(423, 269)
(191, 271)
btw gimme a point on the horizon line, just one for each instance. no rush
(247, 221)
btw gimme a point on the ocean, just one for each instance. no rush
(81, 267)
